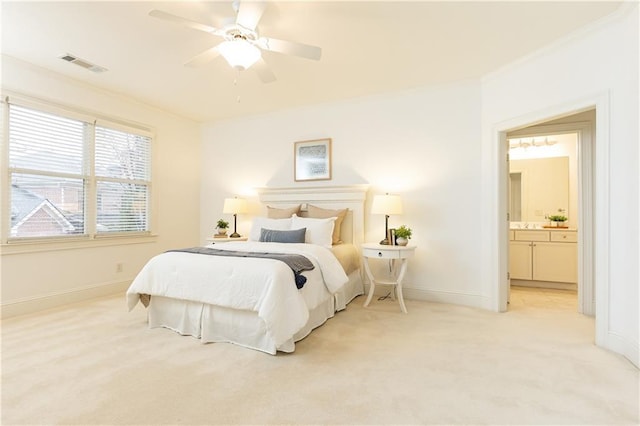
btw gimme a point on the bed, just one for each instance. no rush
(254, 302)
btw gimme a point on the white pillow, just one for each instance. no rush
(319, 231)
(264, 222)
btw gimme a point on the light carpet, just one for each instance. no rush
(95, 363)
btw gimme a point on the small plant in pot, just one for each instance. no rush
(403, 235)
(558, 219)
(222, 227)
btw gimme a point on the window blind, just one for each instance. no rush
(122, 169)
(46, 143)
(46, 158)
(70, 177)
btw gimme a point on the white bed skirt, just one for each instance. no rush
(219, 324)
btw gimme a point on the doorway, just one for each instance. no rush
(543, 255)
(552, 138)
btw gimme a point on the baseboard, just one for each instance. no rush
(464, 299)
(619, 344)
(54, 300)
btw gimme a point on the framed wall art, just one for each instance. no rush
(312, 160)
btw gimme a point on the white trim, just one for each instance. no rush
(5, 219)
(630, 349)
(503, 221)
(497, 267)
(586, 225)
(46, 107)
(439, 296)
(35, 245)
(586, 221)
(80, 114)
(601, 213)
(58, 299)
(122, 126)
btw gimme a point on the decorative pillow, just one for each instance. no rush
(275, 236)
(320, 213)
(263, 222)
(319, 231)
(274, 213)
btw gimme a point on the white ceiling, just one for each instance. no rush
(367, 47)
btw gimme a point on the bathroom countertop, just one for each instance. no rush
(553, 228)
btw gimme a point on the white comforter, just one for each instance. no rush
(264, 286)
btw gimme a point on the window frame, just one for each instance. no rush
(90, 237)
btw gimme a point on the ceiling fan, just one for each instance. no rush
(242, 45)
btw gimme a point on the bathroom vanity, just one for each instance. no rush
(544, 258)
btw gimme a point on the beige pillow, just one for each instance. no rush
(320, 213)
(274, 213)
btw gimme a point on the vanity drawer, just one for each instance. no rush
(567, 237)
(532, 235)
(380, 253)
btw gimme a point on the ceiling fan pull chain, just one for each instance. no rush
(235, 83)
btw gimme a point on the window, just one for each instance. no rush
(76, 177)
(122, 169)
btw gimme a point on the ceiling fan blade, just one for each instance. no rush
(204, 57)
(186, 22)
(290, 48)
(249, 14)
(264, 72)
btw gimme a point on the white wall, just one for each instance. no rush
(423, 145)
(597, 67)
(42, 278)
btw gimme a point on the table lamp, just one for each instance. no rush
(234, 206)
(386, 205)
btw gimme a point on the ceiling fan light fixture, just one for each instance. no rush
(239, 53)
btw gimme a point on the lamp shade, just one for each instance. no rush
(386, 204)
(234, 206)
(239, 53)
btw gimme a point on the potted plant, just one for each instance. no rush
(222, 227)
(403, 235)
(558, 219)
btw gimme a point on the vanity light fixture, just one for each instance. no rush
(234, 206)
(386, 205)
(530, 142)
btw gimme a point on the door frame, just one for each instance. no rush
(584, 151)
(598, 211)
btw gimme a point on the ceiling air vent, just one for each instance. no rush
(82, 63)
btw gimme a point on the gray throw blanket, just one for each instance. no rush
(297, 262)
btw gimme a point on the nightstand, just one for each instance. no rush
(392, 254)
(225, 239)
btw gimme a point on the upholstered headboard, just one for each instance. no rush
(329, 197)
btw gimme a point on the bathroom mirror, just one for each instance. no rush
(538, 187)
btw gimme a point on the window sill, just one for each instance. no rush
(44, 245)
